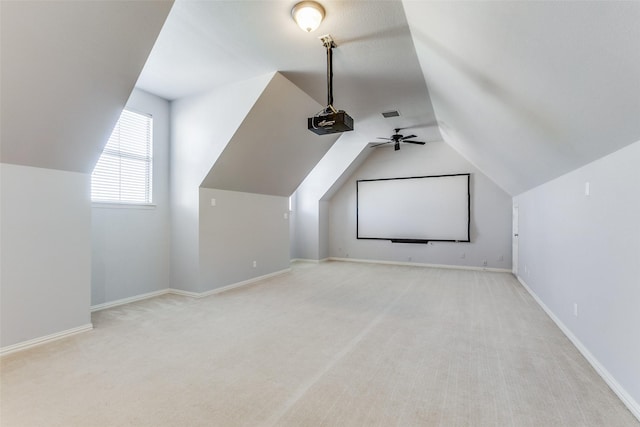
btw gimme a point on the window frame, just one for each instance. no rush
(118, 154)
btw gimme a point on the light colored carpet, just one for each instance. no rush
(335, 344)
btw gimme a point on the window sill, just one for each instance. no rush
(116, 205)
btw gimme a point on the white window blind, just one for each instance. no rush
(123, 173)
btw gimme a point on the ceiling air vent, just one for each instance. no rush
(388, 114)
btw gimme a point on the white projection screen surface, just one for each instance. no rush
(415, 209)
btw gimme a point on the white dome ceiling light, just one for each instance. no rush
(308, 15)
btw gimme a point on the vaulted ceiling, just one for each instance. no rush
(526, 91)
(67, 69)
(205, 44)
(269, 153)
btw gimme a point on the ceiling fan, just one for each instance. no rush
(397, 138)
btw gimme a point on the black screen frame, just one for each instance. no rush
(418, 241)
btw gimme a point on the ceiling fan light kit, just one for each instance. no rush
(329, 120)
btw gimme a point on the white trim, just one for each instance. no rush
(122, 205)
(419, 264)
(228, 287)
(314, 261)
(628, 401)
(128, 300)
(294, 260)
(183, 293)
(24, 345)
(58, 335)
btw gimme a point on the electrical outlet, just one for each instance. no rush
(463, 255)
(575, 309)
(484, 262)
(286, 215)
(409, 259)
(255, 264)
(501, 258)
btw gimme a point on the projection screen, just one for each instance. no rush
(414, 209)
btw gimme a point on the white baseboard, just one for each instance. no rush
(24, 345)
(183, 293)
(243, 283)
(294, 260)
(128, 300)
(313, 261)
(63, 334)
(420, 264)
(628, 401)
(228, 287)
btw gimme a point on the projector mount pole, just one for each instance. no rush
(329, 120)
(328, 43)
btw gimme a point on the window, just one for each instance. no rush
(123, 172)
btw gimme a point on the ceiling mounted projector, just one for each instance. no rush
(329, 120)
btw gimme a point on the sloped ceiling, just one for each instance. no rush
(351, 148)
(206, 44)
(524, 90)
(67, 70)
(272, 150)
(528, 91)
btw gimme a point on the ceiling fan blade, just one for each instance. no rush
(388, 139)
(379, 144)
(415, 142)
(408, 137)
(420, 125)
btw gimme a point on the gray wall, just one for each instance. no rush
(323, 229)
(201, 127)
(305, 219)
(585, 250)
(490, 212)
(310, 219)
(239, 229)
(293, 230)
(46, 246)
(130, 246)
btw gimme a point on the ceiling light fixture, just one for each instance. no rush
(308, 15)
